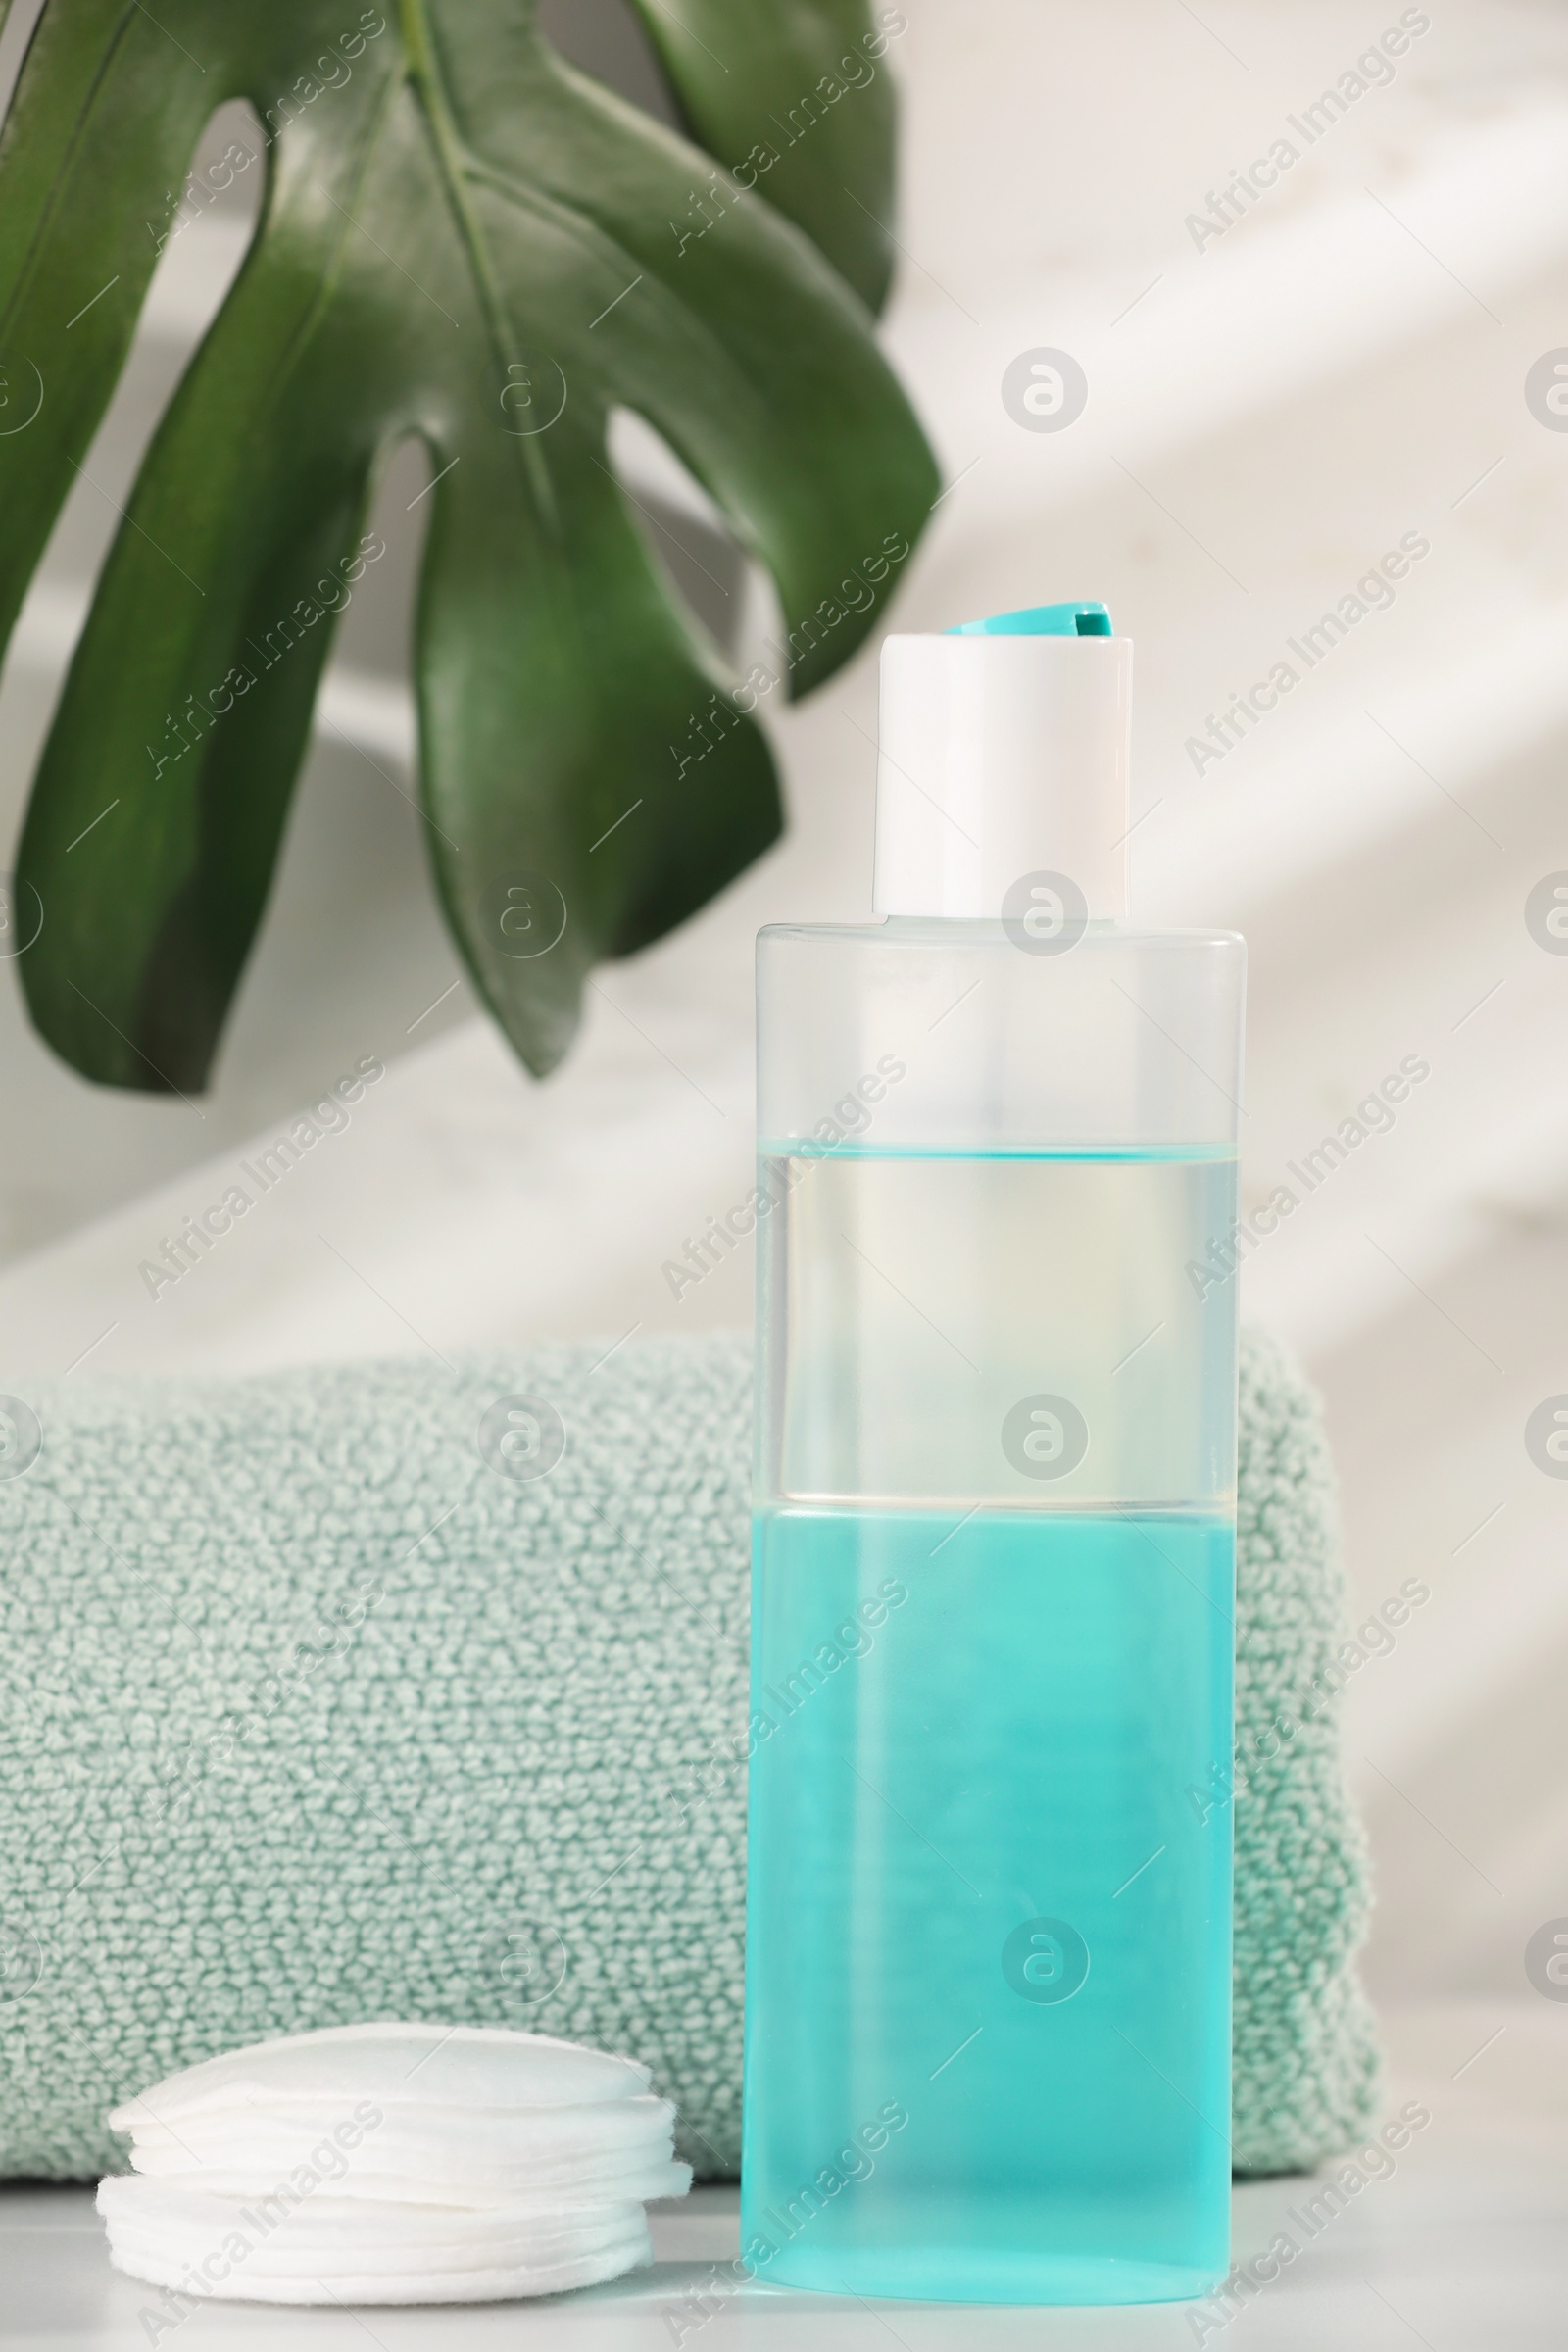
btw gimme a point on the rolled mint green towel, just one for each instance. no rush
(316, 1710)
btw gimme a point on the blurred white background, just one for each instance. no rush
(1269, 413)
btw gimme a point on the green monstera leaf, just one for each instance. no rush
(772, 108)
(462, 239)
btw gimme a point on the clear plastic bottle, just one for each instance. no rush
(988, 1926)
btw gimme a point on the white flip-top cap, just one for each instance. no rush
(1004, 756)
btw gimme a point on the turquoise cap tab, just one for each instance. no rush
(1041, 621)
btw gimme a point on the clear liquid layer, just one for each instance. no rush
(988, 1935)
(918, 1306)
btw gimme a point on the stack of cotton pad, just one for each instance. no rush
(392, 2164)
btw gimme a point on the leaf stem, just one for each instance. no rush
(452, 159)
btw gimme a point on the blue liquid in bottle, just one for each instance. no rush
(988, 1929)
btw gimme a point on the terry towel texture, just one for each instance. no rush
(317, 1706)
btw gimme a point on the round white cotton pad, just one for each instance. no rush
(639, 2187)
(333, 2233)
(503, 2146)
(475, 2068)
(348, 2287)
(392, 2164)
(231, 2267)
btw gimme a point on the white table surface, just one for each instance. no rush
(1464, 2249)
